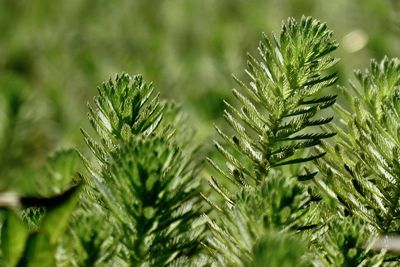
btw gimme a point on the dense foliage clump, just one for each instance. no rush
(297, 179)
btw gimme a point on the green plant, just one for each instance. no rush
(21, 247)
(289, 187)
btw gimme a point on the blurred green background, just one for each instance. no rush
(53, 55)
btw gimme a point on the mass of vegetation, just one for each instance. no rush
(303, 168)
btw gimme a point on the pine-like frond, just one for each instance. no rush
(280, 107)
(346, 241)
(276, 205)
(147, 191)
(363, 170)
(276, 125)
(144, 176)
(124, 107)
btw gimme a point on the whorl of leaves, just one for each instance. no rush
(275, 205)
(148, 191)
(280, 106)
(362, 169)
(345, 242)
(124, 107)
(144, 174)
(276, 125)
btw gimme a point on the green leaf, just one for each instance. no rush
(13, 238)
(39, 252)
(57, 216)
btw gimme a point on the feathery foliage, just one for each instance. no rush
(276, 205)
(155, 209)
(346, 242)
(280, 107)
(144, 177)
(363, 168)
(142, 203)
(275, 126)
(361, 171)
(123, 108)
